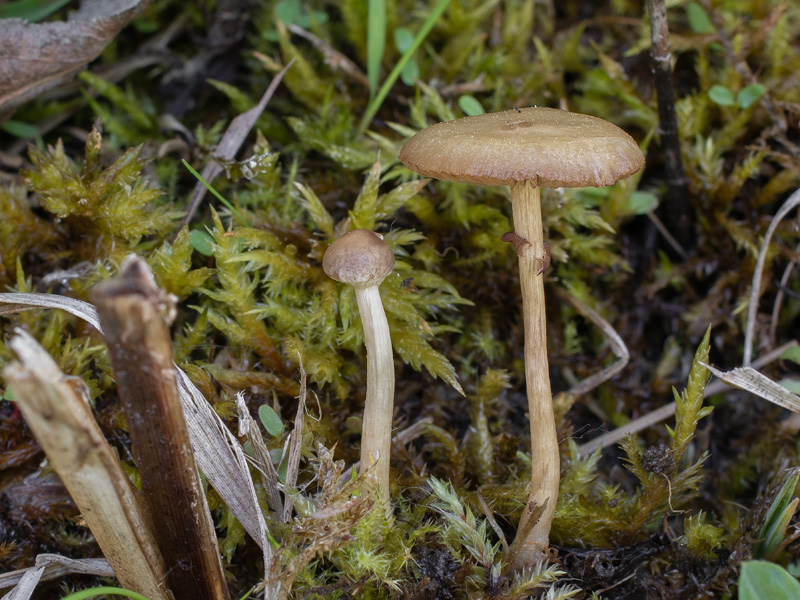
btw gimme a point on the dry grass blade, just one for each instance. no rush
(779, 296)
(54, 566)
(333, 58)
(218, 453)
(295, 444)
(14, 303)
(261, 458)
(665, 412)
(755, 288)
(65, 427)
(750, 380)
(230, 143)
(617, 344)
(27, 584)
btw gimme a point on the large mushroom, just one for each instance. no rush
(526, 149)
(362, 259)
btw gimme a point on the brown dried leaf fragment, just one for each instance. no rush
(37, 57)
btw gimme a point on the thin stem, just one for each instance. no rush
(679, 216)
(376, 433)
(532, 539)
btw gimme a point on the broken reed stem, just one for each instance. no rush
(679, 215)
(138, 340)
(61, 420)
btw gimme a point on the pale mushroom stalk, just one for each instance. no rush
(545, 464)
(363, 260)
(376, 432)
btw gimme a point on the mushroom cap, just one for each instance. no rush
(546, 146)
(359, 258)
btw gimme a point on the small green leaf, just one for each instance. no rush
(470, 105)
(20, 129)
(270, 419)
(793, 385)
(9, 395)
(721, 95)
(282, 470)
(410, 73)
(641, 203)
(31, 10)
(792, 354)
(403, 38)
(698, 19)
(288, 11)
(762, 580)
(201, 241)
(749, 95)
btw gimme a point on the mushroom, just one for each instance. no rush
(526, 149)
(363, 260)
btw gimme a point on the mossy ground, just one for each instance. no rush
(671, 515)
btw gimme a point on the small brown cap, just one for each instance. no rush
(546, 146)
(359, 258)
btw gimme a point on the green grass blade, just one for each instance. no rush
(376, 102)
(100, 591)
(31, 10)
(376, 42)
(242, 221)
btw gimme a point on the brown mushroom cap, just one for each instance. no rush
(546, 146)
(359, 258)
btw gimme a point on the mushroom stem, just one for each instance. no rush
(376, 439)
(532, 538)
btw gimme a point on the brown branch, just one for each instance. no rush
(679, 213)
(131, 310)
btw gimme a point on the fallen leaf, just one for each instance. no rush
(37, 57)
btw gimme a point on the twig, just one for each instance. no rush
(492, 521)
(667, 235)
(679, 215)
(755, 288)
(333, 58)
(617, 344)
(779, 296)
(666, 411)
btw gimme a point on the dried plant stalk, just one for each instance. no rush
(131, 313)
(679, 214)
(64, 425)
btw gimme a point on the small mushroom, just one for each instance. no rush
(525, 149)
(362, 259)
